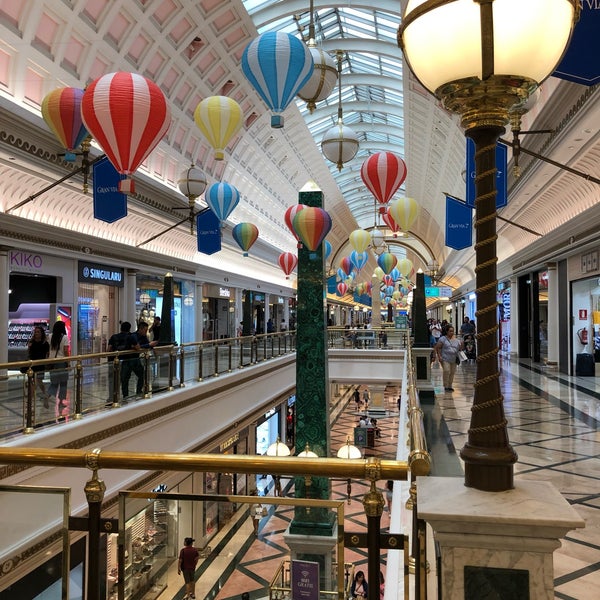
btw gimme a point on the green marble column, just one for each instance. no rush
(247, 313)
(312, 381)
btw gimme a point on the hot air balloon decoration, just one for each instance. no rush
(287, 262)
(327, 249)
(383, 173)
(312, 224)
(245, 234)
(389, 221)
(288, 217)
(61, 109)
(405, 266)
(127, 115)
(359, 240)
(222, 198)
(404, 211)
(341, 275)
(387, 262)
(379, 273)
(219, 118)
(388, 280)
(395, 274)
(342, 288)
(359, 260)
(277, 64)
(346, 265)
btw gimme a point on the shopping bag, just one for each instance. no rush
(437, 380)
(462, 356)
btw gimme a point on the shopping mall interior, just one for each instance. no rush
(299, 189)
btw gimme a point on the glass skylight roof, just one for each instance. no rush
(372, 104)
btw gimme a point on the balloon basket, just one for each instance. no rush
(127, 186)
(299, 245)
(70, 156)
(276, 121)
(219, 155)
(245, 254)
(382, 210)
(312, 256)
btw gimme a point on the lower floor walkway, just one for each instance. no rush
(553, 426)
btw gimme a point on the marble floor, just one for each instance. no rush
(553, 425)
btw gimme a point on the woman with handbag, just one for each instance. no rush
(360, 588)
(59, 375)
(38, 349)
(446, 350)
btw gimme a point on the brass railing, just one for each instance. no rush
(376, 337)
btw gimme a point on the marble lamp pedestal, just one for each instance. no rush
(496, 544)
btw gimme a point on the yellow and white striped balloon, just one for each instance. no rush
(219, 118)
(404, 211)
(404, 266)
(360, 239)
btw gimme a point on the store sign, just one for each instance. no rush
(96, 273)
(25, 261)
(224, 292)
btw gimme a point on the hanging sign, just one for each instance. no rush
(110, 205)
(501, 170)
(208, 230)
(459, 224)
(580, 63)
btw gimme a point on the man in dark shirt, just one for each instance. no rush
(118, 341)
(188, 559)
(138, 341)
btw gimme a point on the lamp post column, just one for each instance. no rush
(488, 456)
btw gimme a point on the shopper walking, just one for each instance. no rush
(117, 342)
(59, 374)
(139, 341)
(38, 348)
(188, 559)
(447, 350)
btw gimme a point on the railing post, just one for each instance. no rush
(29, 401)
(200, 356)
(182, 367)
(373, 503)
(116, 377)
(230, 357)
(78, 390)
(146, 388)
(171, 368)
(216, 373)
(264, 347)
(94, 493)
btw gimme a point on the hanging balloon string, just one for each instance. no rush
(190, 218)
(340, 55)
(84, 168)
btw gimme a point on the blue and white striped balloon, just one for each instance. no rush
(277, 64)
(359, 259)
(395, 274)
(222, 198)
(341, 274)
(326, 248)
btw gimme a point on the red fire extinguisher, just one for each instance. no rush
(582, 334)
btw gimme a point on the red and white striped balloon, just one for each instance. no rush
(288, 217)
(127, 115)
(342, 288)
(383, 173)
(287, 262)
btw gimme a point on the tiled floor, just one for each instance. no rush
(553, 426)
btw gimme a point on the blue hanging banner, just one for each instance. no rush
(208, 230)
(331, 284)
(501, 172)
(110, 205)
(459, 224)
(580, 63)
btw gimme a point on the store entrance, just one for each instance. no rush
(97, 317)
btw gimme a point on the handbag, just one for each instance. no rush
(461, 356)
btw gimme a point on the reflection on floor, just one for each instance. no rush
(553, 426)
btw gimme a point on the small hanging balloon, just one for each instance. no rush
(288, 217)
(359, 260)
(245, 234)
(360, 239)
(222, 198)
(312, 224)
(388, 280)
(405, 266)
(387, 262)
(61, 110)
(346, 265)
(383, 173)
(389, 221)
(404, 211)
(342, 288)
(277, 64)
(287, 262)
(379, 273)
(395, 274)
(341, 274)
(219, 118)
(327, 249)
(127, 115)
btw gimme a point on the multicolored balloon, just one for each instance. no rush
(277, 64)
(404, 211)
(222, 198)
(61, 109)
(359, 240)
(287, 262)
(219, 118)
(128, 115)
(383, 173)
(245, 234)
(312, 224)
(387, 262)
(342, 288)
(288, 217)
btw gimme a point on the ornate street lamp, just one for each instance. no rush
(192, 183)
(483, 59)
